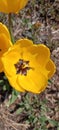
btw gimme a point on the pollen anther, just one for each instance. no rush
(22, 67)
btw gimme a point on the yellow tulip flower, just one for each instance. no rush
(5, 42)
(8, 6)
(28, 66)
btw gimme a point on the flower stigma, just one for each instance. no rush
(22, 67)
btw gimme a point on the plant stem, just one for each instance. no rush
(10, 27)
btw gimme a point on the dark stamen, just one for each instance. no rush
(22, 67)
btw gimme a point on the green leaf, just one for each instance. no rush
(19, 111)
(53, 122)
(43, 119)
(13, 97)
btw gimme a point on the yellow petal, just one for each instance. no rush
(22, 4)
(9, 59)
(7, 6)
(15, 53)
(35, 83)
(3, 5)
(42, 52)
(3, 29)
(13, 83)
(17, 5)
(12, 80)
(24, 43)
(43, 55)
(51, 68)
(1, 66)
(36, 80)
(5, 43)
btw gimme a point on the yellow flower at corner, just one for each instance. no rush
(5, 42)
(28, 66)
(8, 6)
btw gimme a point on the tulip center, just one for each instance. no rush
(22, 67)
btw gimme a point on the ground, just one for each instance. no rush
(39, 22)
